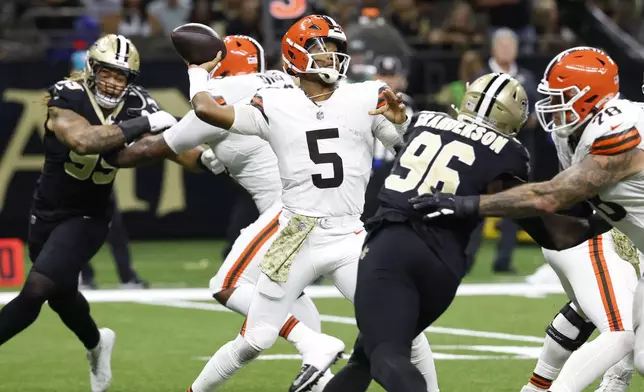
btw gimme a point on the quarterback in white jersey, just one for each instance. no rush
(252, 163)
(603, 161)
(323, 135)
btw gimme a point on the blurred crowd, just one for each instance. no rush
(443, 24)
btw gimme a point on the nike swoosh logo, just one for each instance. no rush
(615, 127)
(358, 232)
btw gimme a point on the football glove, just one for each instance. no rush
(160, 121)
(437, 204)
(208, 161)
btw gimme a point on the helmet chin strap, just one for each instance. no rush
(106, 102)
(329, 76)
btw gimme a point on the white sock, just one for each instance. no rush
(229, 359)
(297, 333)
(423, 359)
(239, 300)
(593, 359)
(553, 356)
(292, 330)
(304, 310)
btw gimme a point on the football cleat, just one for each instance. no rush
(316, 363)
(100, 372)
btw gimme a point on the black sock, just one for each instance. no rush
(23, 310)
(73, 310)
(391, 367)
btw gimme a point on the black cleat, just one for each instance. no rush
(309, 376)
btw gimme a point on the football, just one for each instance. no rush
(197, 43)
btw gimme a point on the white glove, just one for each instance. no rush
(210, 162)
(160, 121)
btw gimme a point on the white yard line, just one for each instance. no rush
(469, 289)
(352, 321)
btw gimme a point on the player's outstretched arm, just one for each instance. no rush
(579, 182)
(149, 149)
(83, 138)
(152, 149)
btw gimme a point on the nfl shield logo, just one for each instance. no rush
(320, 115)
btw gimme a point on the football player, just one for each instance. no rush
(88, 114)
(476, 152)
(323, 135)
(253, 164)
(396, 301)
(584, 270)
(598, 135)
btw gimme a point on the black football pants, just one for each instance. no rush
(402, 288)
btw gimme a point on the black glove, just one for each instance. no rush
(437, 204)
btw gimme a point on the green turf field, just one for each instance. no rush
(483, 343)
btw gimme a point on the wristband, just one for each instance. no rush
(467, 205)
(198, 80)
(402, 128)
(134, 128)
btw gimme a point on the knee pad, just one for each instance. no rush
(38, 287)
(261, 337)
(570, 315)
(244, 351)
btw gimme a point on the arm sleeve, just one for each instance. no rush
(190, 132)
(387, 133)
(250, 119)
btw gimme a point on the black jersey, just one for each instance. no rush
(454, 157)
(71, 184)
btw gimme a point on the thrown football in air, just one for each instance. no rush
(197, 43)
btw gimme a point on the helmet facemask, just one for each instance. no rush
(556, 112)
(108, 95)
(329, 65)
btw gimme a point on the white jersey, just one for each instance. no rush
(248, 159)
(614, 129)
(324, 149)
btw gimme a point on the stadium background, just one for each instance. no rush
(179, 221)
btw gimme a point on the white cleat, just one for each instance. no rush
(100, 369)
(317, 360)
(614, 384)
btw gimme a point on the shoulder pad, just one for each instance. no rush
(66, 94)
(613, 130)
(281, 74)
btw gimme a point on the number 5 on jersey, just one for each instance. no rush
(426, 160)
(312, 138)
